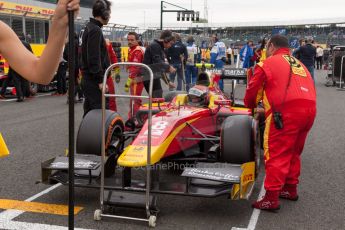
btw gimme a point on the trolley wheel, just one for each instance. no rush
(97, 214)
(152, 221)
(33, 88)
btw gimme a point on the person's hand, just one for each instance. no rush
(171, 85)
(172, 69)
(128, 84)
(79, 80)
(117, 78)
(62, 8)
(100, 85)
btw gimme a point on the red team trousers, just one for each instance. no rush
(136, 88)
(283, 163)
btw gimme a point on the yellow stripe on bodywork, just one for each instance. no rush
(154, 104)
(240, 108)
(136, 156)
(55, 209)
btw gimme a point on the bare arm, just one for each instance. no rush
(257, 54)
(40, 70)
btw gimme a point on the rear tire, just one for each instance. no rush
(237, 140)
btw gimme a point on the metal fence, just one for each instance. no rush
(35, 30)
(326, 34)
(118, 33)
(150, 34)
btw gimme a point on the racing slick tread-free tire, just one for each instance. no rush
(171, 95)
(236, 142)
(89, 139)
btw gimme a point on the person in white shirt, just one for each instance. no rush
(218, 56)
(191, 71)
(319, 57)
(228, 55)
(236, 52)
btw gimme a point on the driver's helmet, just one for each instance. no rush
(197, 95)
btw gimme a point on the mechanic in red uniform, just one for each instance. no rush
(135, 54)
(110, 82)
(287, 92)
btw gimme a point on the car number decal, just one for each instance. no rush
(158, 128)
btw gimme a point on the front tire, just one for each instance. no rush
(89, 138)
(237, 140)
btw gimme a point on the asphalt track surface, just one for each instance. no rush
(37, 130)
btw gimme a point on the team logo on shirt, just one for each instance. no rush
(296, 66)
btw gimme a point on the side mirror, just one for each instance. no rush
(158, 100)
(222, 102)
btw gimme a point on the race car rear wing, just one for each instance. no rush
(234, 74)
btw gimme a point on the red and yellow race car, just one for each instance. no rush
(203, 134)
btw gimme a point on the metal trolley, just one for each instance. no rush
(338, 55)
(209, 175)
(99, 213)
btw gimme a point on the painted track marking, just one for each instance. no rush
(7, 216)
(255, 215)
(28, 206)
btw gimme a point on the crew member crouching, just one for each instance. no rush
(286, 89)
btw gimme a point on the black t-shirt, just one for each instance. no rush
(174, 53)
(154, 57)
(306, 54)
(66, 53)
(95, 59)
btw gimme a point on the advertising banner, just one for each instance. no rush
(25, 10)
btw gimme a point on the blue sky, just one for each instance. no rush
(147, 12)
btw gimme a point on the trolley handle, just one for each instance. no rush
(149, 97)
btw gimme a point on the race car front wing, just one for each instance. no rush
(201, 180)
